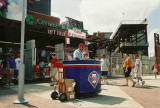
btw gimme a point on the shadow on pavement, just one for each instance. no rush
(29, 88)
(30, 106)
(7, 91)
(100, 99)
(147, 87)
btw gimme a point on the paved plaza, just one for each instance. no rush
(112, 96)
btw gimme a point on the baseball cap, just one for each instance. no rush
(103, 55)
(136, 55)
(18, 55)
(81, 45)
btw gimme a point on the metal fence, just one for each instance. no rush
(117, 64)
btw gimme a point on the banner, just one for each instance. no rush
(75, 33)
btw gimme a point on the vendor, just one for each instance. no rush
(77, 54)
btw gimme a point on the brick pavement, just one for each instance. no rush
(7, 96)
(148, 96)
(38, 95)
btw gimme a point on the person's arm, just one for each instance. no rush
(138, 65)
(8, 65)
(77, 58)
(127, 65)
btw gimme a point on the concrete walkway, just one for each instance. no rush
(38, 95)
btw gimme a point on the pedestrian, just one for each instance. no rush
(17, 61)
(104, 68)
(85, 56)
(11, 65)
(54, 70)
(138, 70)
(127, 70)
(155, 69)
(41, 67)
(96, 58)
(4, 65)
(77, 54)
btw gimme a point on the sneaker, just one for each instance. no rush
(134, 83)
(102, 82)
(137, 84)
(125, 84)
(143, 82)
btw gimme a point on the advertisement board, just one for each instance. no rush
(75, 33)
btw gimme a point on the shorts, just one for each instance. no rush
(155, 70)
(105, 73)
(127, 74)
(54, 72)
(137, 74)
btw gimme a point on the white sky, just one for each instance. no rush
(102, 15)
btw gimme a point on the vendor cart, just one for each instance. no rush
(87, 75)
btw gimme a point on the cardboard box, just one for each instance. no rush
(70, 84)
(70, 95)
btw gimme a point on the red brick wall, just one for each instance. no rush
(158, 53)
(102, 35)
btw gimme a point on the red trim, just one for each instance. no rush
(77, 66)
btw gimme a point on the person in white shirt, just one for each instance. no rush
(85, 56)
(138, 70)
(18, 61)
(105, 65)
(77, 54)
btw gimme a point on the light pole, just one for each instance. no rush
(123, 16)
(21, 72)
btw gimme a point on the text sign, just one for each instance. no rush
(75, 33)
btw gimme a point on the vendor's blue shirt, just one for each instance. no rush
(11, 62)
(77, 54)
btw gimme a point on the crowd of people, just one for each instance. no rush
(11, 64)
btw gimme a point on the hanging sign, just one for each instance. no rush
(75, 33)
(57, 32)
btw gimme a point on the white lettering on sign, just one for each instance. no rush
(75, 33)
(56, 32)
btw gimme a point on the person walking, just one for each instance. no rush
(11, 65)
(138, 70)
(155, 69)
(54, 70)
(4, 65)
(127, 70)
(17, 61)
(104, 68)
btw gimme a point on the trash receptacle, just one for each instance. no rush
(86, 73)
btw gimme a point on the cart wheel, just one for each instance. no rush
(54, 95)
(62, 97)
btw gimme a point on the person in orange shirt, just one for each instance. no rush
(127, 70)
